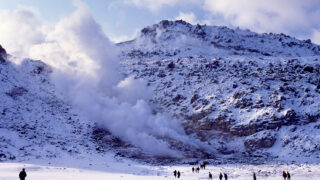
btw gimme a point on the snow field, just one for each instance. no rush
(9, 171)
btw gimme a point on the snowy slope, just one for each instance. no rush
(39, 124)
(247, 94)
(35, 123)
(246, 97)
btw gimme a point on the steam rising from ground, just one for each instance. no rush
(86, 72)
(96, 87)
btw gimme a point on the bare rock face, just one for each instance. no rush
(3, 55)
(16, 92)
(262, 139)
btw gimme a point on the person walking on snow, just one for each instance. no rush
(288, 175)
(210, 176)
(254, 176)
(178, 174)
(225, 176)
(284, 175)
(22, 174)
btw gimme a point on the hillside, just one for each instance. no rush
(240, 97)
(247, 94)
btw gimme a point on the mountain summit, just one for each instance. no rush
(175, 36)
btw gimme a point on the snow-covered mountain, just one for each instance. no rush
(242, 92)
(35, 123)
(248, 97)
(180, 38)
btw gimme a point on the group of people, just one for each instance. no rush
(286, 175)
(195, 170)
(220, 176)
(176, 174)
(202, 166)
(224, 175)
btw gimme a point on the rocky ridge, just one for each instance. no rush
(243, 92)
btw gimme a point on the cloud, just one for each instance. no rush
(123, 38)
(316, 36)
(294, 17)
(288, 16)
(20, 30)
(87, 74)
(154, 6)
(188, 16)
(131, 89)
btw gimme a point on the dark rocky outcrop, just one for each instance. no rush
(171, 65)
(16, 92)
(3, 55)
(263, 139)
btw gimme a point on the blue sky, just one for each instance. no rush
(119, 19)
(122, 19)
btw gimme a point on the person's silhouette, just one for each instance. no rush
(22, 174)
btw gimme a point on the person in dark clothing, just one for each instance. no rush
(175, 173)
(22, 174)
(193, 169)
(178, 174)
(198, 170)
(288, 175)
(284, 175)
(220, 176)
(254, 176)
(210, 176)
(225, 176)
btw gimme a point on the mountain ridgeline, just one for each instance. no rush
(241, 96)
(171, 36)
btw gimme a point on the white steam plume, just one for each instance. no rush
(87, 73)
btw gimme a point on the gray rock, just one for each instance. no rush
(262, 139)
(3, 55)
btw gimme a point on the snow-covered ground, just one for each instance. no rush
(127, 170)
(218, 95)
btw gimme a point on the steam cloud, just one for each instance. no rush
(96, 87)
(86, 72)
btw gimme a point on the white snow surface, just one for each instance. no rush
(128, 170)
